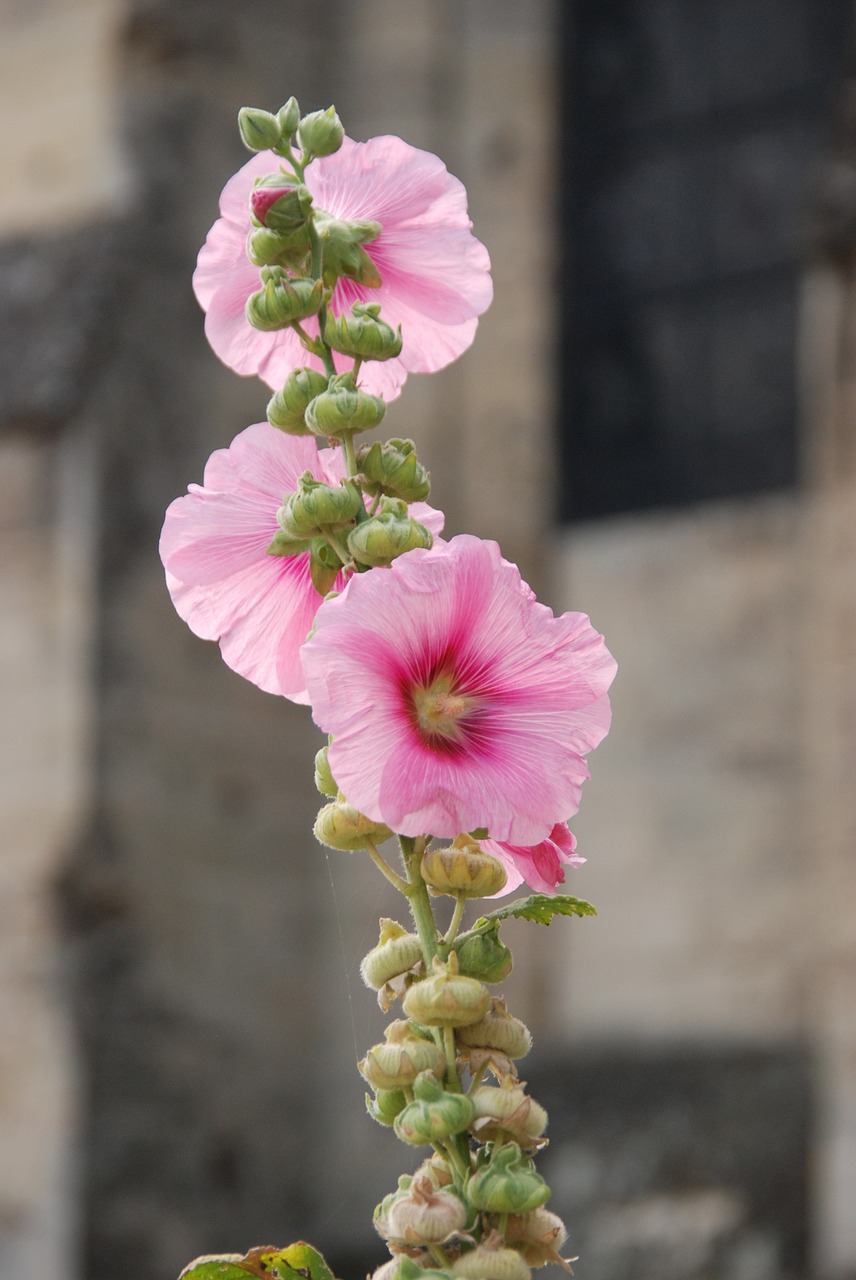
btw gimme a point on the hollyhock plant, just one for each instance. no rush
(459, 710)
(455, 700)
(542, 865)
(434, 274)
(214, 549)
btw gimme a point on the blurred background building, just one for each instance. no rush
(656, 420)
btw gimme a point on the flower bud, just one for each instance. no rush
(343, 407)
(393, 468)
(279, 205)
(282, 545)
(491, 1261)
(498, 1029)
(317, 508)
(385, 1105)
(381, 1213)
(437, 1169)
(538, 1236)
(362, 333)
(507, 1112)
(320, 133)
(340, 826)
(396, 952)
(463, 869)
(380, 539)
(324, 780)
(434, 1114)
(387, 1270)
(507, 1183)
(446, 999)
(483, 956)
(324, 565)
(288, 118)
(278, 248)
(344, 255)
(259, 129)
(403, 1056)
(283, 300)
(426, 1215)
(287, 407)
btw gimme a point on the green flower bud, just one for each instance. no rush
(362, 333)
(266, 248)
(426, 1215)
(340, 826)
(343, 407)
(320, 133)
(498, 1029)
(446, 999)
(317, 508)
(463, 869)
(283, 545)
(507, 1183)
(402, 1057)
(260, 131)
(385, 1105)
(282, 300)
(288, 118)
(507, 1112)
(324, 566)
(383, 537)
(483, 956)
(396, 952)
(280, 205)
(434, 1114)
(394, 469)
(324, 780)
(286, 409)
(538, 1236)
(344, 254)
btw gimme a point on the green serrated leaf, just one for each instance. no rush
(296, 1262)
(541, 908)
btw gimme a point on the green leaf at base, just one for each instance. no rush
(540, 907)
(296, 1262)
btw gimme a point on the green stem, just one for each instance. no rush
(347, 440)
(452, 931)
(386, 870)
(439, 1256)
(316, 268)
(450, 1151)
(420, 903)
(340, 546)
(325, 353)
(502, 1225)
(358, 360)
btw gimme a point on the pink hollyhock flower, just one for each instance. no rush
(455, 700)
(434, 271)
(541, 865)
(214, 549)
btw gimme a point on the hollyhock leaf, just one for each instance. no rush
(435, 275)
(540, 907)
(296, 1262)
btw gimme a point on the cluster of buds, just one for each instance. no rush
(477, 1213)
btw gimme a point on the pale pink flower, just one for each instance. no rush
(214, 543)
(435, 280)
(455, 700)
(541, 865)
